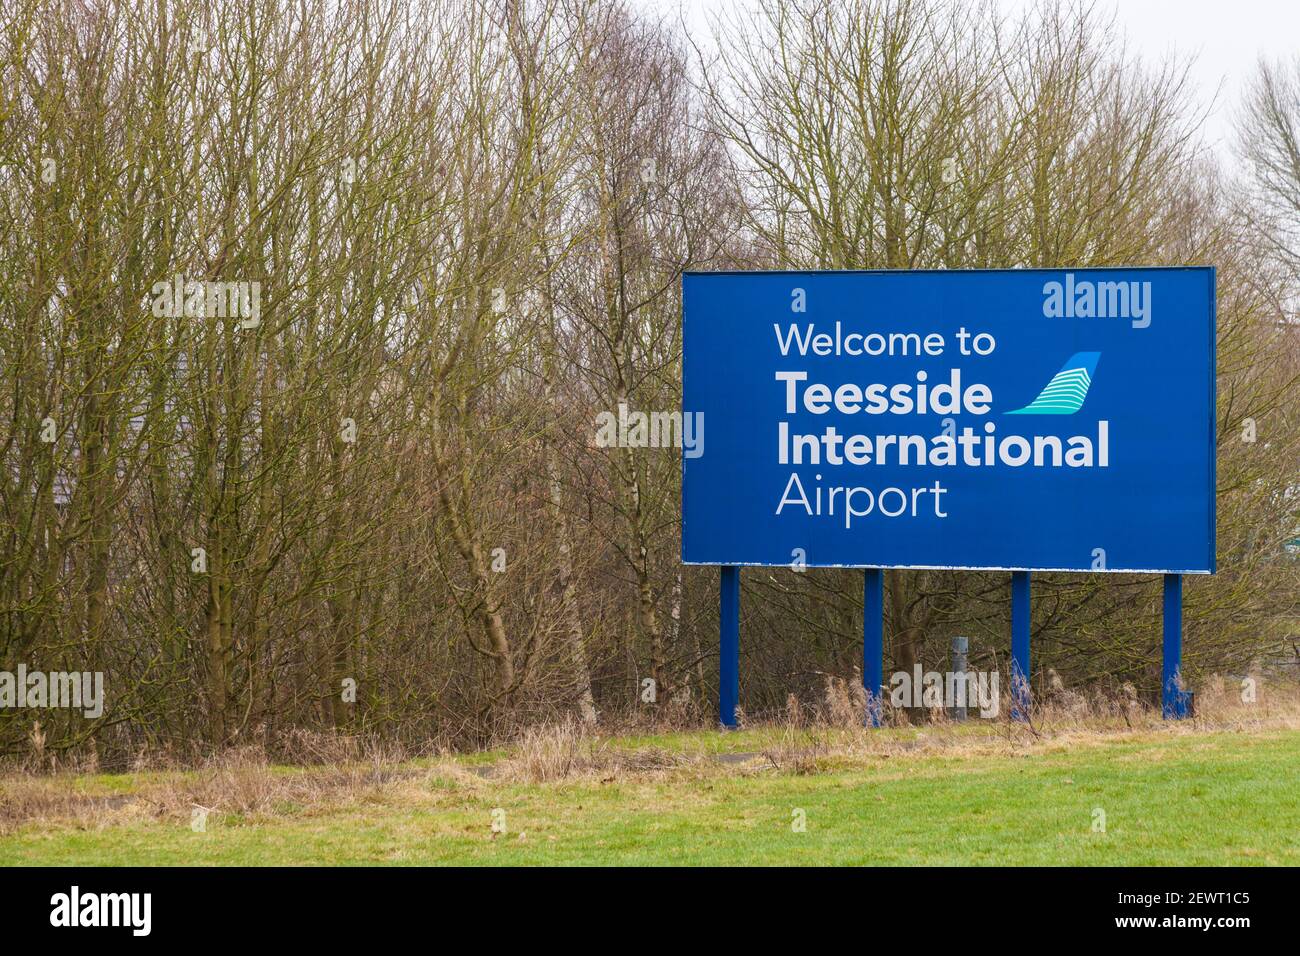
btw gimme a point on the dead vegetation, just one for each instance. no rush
(569, 750)
(332, 772)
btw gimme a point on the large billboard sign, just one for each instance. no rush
(1022, 419)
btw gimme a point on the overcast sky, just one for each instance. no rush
(1225, 37)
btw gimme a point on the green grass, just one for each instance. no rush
(1184, 799)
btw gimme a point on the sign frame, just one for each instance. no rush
(1211, 426)
(1176, 701)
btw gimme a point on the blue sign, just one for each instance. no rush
(1056, 420)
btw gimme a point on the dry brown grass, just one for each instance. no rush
(238, 781)
(1062, 718)
(568, 750)
(335, 770)
(843, 703)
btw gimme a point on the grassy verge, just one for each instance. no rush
(904, 797)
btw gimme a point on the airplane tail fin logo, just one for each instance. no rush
(1065, 393)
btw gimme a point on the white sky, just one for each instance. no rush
(1225, 38)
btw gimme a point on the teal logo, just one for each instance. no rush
(1065, 393)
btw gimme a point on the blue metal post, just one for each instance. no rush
(1020, 645)
(873, 642)
(729, 645)
(1173, 699)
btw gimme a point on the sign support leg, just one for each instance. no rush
(729, 645)
(873, 642)
(1173, 699)
(1020, 645)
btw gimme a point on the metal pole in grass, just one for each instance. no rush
(1020, 645)
(873, 643)
(1173, 700)
(959, 648)
(729, 645)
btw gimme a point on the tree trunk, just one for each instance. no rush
(572, 619)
